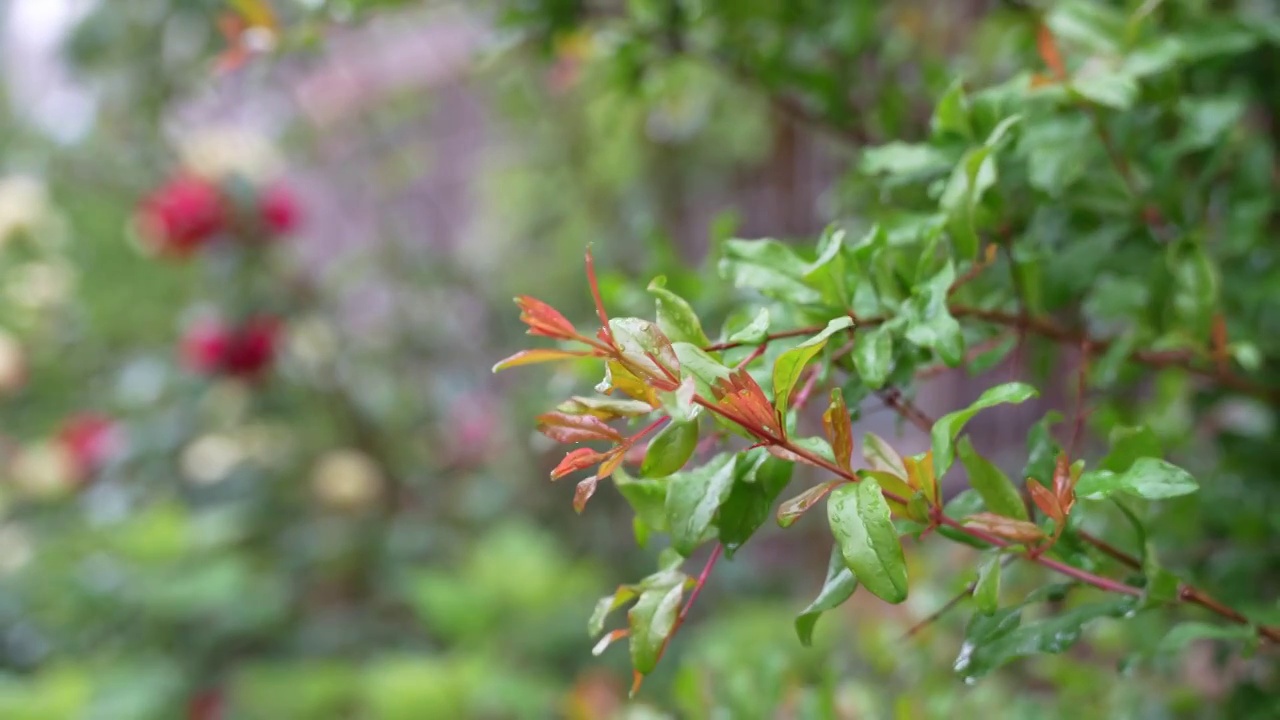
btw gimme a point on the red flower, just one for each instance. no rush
(182, 215)
(211, 348)
(279, 209)
(92, 439)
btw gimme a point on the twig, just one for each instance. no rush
(936, 615)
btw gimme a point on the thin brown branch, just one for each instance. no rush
(950, 605)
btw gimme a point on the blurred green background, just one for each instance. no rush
(367, 530)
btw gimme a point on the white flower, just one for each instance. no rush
(216, 153)
(39, 285)
(43, 470)
(211, 458)
(346, 480)
(24, 204)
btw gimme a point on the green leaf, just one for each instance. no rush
(644, 344)
(998, 493)
(606, 605)
(1161, 586)
(859, 518)
(998, 639)
(1185, 633)
(967, 502)
(970, 180)
(1150, 478)
(647, 498)
(929, 321)
(676, 317)
(770, 267)
(904, 162)
(1042, 449)
(761, 479)
(948, 426)
(755, 331)
(693, 497)
(881, 456)
(670, 449)
(873, 356)
(986, 592)
(837, 588)
(951, 115)
(1117, 90)
(1128, 444)
(704, 369)
(651, 620)
(827, 272)
(789, 366)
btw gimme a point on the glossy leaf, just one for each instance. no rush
(873, 355)
(760, 479)
(676, 317)
(929, 323)
(789, 365)
(576, 428)
(769, 267)
(838, 587)
(651, 620)
(986, 591)
(881, 456)
(670, 449)
(868, 541)
(1018, 531)
(1055, 634)
(949, 426)
(791, 510)
(645, 346)
(704, 369)
(755, 331)
(646, 496)
(998, 492)
(604, 408)
(839, 428)
(607, 604)
(1128, 444)
(529, 357)
(693, 497)
(583, 492)
(1149, 478)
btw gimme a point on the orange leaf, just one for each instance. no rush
(576, 428)
(1064, 484)
(790, 510)
(583, 493)
(618, 377)
(1050, 53)
(839, 429)
(544, 320)
(740, 394)
(529, 357)
(611, 463)
(575, 460)
(1045, 500)
(1019, 531)
(920, 475)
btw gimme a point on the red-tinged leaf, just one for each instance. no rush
(920, 475)
(583, 493)
(791, 510)
(1045, 500)
(784, 454)
(604, 408)
(1019, 531)
(529, 357)
(611, 463)
(881, 456)
(1050, 53)
(636, 680)
(1221, 355)
(605, 333)
(576, 428)
(608, 640)
(1064, 484)
(839, 429)
(618, 377)
(1040, 81)
(575, 460)
(544, 320)
(742, 397)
